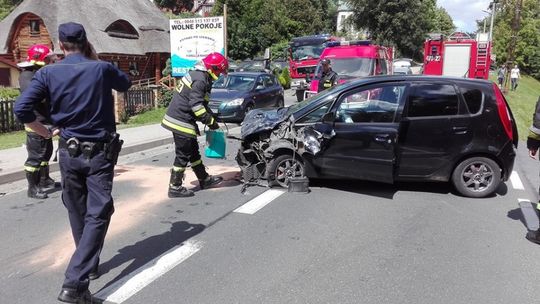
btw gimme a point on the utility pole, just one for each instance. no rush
(493, 9)
(513, 42)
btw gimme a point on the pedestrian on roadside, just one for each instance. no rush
(328, 76)
(501, 74)
(514, 76)
(39, 148)
(190, 104)
(533, 143)
(82, 110)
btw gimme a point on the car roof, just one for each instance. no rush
(248, 73)
(398, 78)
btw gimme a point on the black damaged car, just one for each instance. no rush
(387, 129)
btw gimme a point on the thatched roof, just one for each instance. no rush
(96, 16)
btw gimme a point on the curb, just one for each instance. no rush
(54, 167)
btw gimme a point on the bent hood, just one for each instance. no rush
(260, 120)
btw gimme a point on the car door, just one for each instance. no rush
(366, 129)
(436, 128)
(262, 93)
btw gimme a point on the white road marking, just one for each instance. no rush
(520, 200)
(516, 181)
(131, 284)
(259, 202)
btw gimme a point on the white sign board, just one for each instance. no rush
(192, 39)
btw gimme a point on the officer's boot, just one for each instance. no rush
(175, 185)
(45, 181)
(34, 191)
(205, 180)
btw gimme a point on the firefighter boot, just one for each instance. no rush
(205, 180)
(175, 185)
(34, 191)
(533, 236)
(45, 181)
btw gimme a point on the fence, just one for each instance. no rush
(8, 123)
(138, 100)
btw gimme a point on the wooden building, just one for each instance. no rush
(132, 34)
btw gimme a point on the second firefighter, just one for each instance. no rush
(189, 105)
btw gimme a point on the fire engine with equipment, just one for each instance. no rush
(352, 60)
(457, 55)
(304, 53)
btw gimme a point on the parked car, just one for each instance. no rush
(402, 66)
(387, 129)
(237, 93)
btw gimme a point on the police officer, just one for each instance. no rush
(39, 149)
(82, 111)
(533, 143)
(189, 104)
(328, 77)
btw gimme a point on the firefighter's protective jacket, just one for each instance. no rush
(533, 140)
(189, 104)
(328, 80)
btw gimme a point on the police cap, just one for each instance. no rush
(71, 32)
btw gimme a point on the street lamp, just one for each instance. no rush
(492, 7)
(489, 13)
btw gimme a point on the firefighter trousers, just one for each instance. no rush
(39, 150)
(187, 151)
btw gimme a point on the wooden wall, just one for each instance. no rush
(24, 38)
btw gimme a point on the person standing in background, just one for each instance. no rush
(514, 76)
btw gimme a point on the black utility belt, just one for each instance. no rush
(87, 148)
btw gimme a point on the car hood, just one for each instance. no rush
(226, 95)
(260, 120)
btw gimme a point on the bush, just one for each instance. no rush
(285, 78)
(165, 97)
(9, 93)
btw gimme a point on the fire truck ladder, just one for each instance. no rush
(482, 60)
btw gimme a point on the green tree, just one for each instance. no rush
(6, 6)
(402, 23)
(527, 46)
(175, 6)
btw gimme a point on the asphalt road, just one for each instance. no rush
(344, 242)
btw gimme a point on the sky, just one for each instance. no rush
(465, 12)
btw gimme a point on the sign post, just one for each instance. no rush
(192, 39)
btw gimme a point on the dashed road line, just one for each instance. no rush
(259, 202)
(516, 181)
(123, 289)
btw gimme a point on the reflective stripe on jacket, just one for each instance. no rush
(189, 104)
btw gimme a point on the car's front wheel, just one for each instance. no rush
(282, 168)
(477, 177)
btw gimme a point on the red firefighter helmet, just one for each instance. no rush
(216, 64)
(37, 55)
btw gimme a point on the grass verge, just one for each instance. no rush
(16, 139)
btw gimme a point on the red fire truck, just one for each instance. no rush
(457, 55)
(304, 53)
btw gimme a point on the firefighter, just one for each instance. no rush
(533, 143)
(39, 149)
(328, 77)
(189, 104)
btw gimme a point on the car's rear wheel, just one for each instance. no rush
(477, 177)
(282, 168)
(248, 108)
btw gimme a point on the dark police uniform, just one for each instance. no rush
(39, 149)
(328, 79)
(81, 105)
(189, 104)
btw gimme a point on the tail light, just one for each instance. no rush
(504, 115)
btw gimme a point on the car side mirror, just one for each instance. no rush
(259, 86)
(328, 118)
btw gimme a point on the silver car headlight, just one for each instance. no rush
(235, 102)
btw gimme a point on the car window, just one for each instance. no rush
(432, 100)
(268, 81)
(378, 104)
(317, 114)
(473, 99)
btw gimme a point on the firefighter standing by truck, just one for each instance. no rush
(189, 104)
(328, 77)
(533, 143)
(39, 149)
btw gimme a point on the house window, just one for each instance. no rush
(133, 68)
(34, 27)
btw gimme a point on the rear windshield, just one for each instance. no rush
(353, 67)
